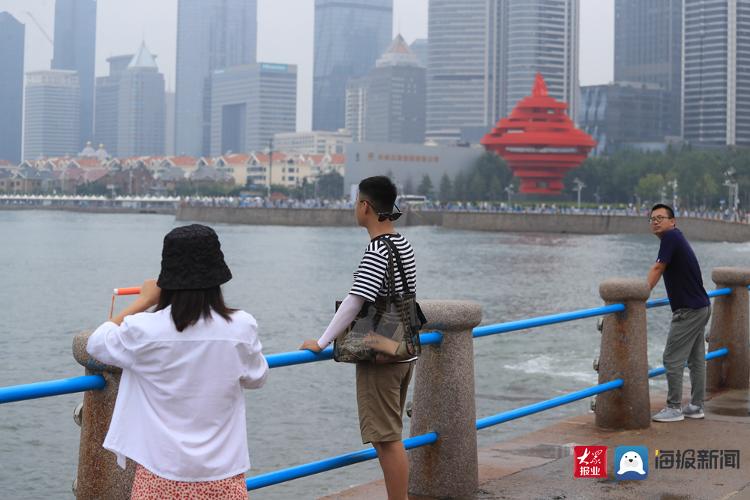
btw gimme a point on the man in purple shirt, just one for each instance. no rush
(690, 312)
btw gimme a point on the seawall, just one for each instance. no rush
(694, 229)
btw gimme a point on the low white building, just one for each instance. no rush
(313, 142)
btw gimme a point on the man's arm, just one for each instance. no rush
(346, 313)
(654, 274)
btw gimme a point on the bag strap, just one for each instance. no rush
(392, 247)
(391, 290)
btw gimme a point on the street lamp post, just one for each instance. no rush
(734, 192)
(270, 166)
(509, 190)
(579, 187)
(673, 185)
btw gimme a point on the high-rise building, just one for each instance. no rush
(485, 54)
(421, 48)
(251, 103)
(11, 87)
(141, 107)
(715, 78)
(349, 37)
(461, 68)
(74, 50)
(648, 49)
(108, 104)
(52, 114)
(211, 35)
(169, 126)
(388, 104)
(538, 36)
(623, 115)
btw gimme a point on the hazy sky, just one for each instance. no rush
(285, 35)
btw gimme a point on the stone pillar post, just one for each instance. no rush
(99, 476)
(444, 402)
(729, 328)
(624, 355)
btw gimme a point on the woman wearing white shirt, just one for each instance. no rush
(180, 409)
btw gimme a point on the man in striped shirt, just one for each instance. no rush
(381, 388)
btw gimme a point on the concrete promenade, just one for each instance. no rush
(539, 465)
(694, 229)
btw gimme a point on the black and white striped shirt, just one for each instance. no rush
(371, 280)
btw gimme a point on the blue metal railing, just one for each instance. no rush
(51, 388)
(84, 383)
(523, 324)
(283, 475)
(89, 382)
(485, 422)
(524, 411)
(58, 387)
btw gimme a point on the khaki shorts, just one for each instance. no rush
(381, 396)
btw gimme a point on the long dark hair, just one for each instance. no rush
(188, 306)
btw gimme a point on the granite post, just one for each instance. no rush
(730, 328)
(624, 355)
(444, 402)
(99, 476)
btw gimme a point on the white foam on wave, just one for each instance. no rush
(547, 365)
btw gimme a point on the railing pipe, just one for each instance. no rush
(283, 475)
(719, 353)
(523, 324)
(50, 388)
(505, 416)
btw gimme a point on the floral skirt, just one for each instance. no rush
(149, 486)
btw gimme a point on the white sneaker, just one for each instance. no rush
(668, 414)
(693, 411)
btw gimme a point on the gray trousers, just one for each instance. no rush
(685, 342)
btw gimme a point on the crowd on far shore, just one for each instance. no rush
(541, 208)
(94, 202)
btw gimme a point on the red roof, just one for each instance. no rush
(182, 161)
(236, 159)
(88, 162)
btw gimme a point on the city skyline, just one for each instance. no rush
(120, 27)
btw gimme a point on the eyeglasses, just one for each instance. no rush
(391, 216)
(657, 219)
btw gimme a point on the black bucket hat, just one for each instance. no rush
(191, 259)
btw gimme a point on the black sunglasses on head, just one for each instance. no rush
(382, 216)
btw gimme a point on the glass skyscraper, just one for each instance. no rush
(52, 114)
(251, 103)
(350, 35)
(211, 35)
(484, 55)
(716, 79)
(11, 87)
(648, 49)
(75, 49)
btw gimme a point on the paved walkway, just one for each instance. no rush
(539, 465)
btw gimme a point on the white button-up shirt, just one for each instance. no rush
(180, 409)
